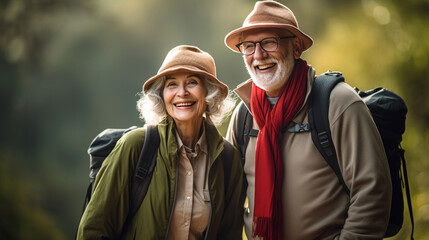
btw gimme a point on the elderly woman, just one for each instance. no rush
(187, 197)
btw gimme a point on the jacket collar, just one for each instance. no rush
(167, 130)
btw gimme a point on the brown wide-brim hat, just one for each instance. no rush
(268, 14)
(190, 59)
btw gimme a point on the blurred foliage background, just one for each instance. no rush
(71, 68)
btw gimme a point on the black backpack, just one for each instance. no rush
(388, 111)
(104, 143)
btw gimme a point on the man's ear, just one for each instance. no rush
(297, 46)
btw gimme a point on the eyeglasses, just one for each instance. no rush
(269, 44)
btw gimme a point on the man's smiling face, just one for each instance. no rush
(270, 70)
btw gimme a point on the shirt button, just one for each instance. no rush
(186, 223)
(189, 173)
(188, 197)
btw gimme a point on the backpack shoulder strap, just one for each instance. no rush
(319, 121)
(143, 172)
(144, 168)
(243, 130)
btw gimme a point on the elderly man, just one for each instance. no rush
(292, 192)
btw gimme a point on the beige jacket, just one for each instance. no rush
(315, 206)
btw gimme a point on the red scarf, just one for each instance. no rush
(267, 216)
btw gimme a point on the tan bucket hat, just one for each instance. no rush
(191, 59)
(268, 14)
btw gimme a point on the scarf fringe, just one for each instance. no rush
(262, 228)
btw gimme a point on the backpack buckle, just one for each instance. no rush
(333, 73)
(140, 174)
(297, 128)
(324, 142)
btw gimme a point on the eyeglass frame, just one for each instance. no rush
(277, 38)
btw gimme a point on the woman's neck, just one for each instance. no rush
(189, 133)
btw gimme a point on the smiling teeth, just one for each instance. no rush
(183, 104)
(262, 67)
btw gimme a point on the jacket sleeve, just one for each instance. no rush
(108, 208)
(364, 166)
(231, 226)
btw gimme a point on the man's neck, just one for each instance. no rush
(275, 93)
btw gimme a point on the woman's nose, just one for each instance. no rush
(182, 90)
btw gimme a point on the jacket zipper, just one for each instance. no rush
(210, 196)
(211, 207)
(174, 200)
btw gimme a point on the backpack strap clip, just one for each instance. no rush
(324, 143)
(297, 128)
(141, 172)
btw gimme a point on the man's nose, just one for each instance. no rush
(259, 52)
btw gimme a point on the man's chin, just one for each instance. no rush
(264, 81)
(268, 84)
(267, 81)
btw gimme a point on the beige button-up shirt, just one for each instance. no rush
(192, 207)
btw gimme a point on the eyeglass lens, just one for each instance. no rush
(267, 44)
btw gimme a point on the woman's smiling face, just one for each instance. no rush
(184, 97)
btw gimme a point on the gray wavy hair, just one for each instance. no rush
(152, 108)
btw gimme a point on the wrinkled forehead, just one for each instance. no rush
(258, 34)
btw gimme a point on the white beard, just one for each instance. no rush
(271, 81)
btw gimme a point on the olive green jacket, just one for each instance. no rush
(107, 211)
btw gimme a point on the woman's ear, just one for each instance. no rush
(297, 46)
